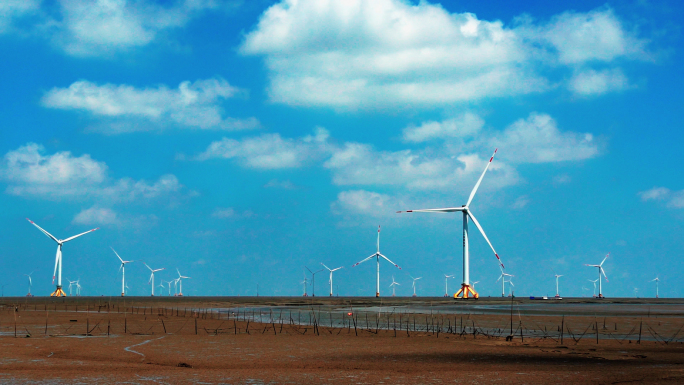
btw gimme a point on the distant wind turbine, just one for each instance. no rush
(656, 281)
(58, 258)
(393, 285)
(30, 284)
(151, 280)
(414, 284)
(594, 282)
(502, 277)
(313, 280)
(466, 291)
(331, 276)
(180, 283)
(600, 271)
(122, 269)
(557, 276)
(305, 282)
(446, 284)
(377, 257)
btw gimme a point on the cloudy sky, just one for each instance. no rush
(241, 141)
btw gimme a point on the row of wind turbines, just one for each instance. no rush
(122, 268)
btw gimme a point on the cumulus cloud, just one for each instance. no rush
(386, 53)
(126, 108)
(365, 203)
(102, 216)
(270, 151)
(590, 82)
(673, 199)
(537, 139)
(106, 27)
(466, 125)
(29, 172)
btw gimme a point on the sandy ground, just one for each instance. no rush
(158, 346)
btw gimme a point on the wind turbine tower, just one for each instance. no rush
(331, 278)
(600, 271)
(377, 257)
(466, 290)
(58, 258)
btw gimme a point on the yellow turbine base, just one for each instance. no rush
(466, 292)
(58, 293)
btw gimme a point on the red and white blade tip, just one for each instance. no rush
(378, 229)
(492, 158)
(29, 220)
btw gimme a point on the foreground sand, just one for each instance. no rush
(158, 346)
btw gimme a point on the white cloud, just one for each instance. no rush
(592, 82)
(597, 35)
(537, 139)
(96, 216)
(466, 125)
(28, 172)
(269, 151)
(105, 27)
(10, 10)
(673, 199)
(194, 105)
(380, 54)
(102, 216)
(364, 203)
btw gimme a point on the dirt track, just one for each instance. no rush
(149, 347)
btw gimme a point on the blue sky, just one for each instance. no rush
(241, 141)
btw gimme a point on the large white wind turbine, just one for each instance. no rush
(393, 285)
(466, 290)
(30, 284)
(502, 277)
(656, 281)
(600, 271)
(151, 280)
(377, 256)
(331, 281)
(180, 282)
(122, 269)
(414, 284)
(446, 284)
(58, 258)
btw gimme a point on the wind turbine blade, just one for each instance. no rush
(378, 238)
(44, 232)
(148, 267)
(358, 263)
(341, 267)
(76, 236)
(418, 278)
(604, 273)
(325, 266)
(592, 265)
(444, 210)
(477, 224)
(604, 259)
(501, 276)
(121, 267)
(387, 259)
(511, 282)
(122, 261)
(477, 185)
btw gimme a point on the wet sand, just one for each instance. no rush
(179, 340)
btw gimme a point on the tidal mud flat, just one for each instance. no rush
(338, 340)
